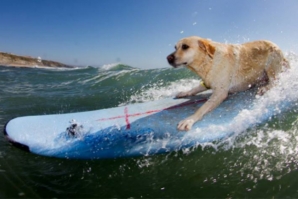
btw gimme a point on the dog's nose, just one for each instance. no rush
(171, 58)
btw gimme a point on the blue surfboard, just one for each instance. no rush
(136, 129)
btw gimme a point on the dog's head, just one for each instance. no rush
(189, 49)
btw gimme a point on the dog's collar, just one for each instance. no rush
(203, 84)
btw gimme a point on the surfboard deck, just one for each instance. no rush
(132, 130)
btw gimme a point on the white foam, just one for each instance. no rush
(109, 66)
(267, 149)
(157, 91)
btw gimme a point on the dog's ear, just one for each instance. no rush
(205, 45)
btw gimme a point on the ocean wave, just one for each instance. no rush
(116, 67)
(110, 67)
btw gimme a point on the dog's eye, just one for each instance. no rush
(175, 47)
(184, 47)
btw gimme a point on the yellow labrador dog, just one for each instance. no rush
(226, 68)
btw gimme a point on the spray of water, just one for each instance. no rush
(267, 152)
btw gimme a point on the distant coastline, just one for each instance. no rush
(12, 60)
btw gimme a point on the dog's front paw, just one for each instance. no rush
(185, 125)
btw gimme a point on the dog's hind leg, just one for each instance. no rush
(273, 68)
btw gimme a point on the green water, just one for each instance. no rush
(260, 162)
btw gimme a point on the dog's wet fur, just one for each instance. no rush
(226, 68)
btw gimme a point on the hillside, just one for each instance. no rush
(8, 59)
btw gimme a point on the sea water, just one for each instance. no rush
(259, 160)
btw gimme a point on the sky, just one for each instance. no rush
(138, 33)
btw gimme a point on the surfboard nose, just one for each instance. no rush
(13, 142)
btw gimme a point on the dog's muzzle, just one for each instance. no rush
(171, 59)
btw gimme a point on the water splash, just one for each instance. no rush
(266, 151)
(158, 91)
